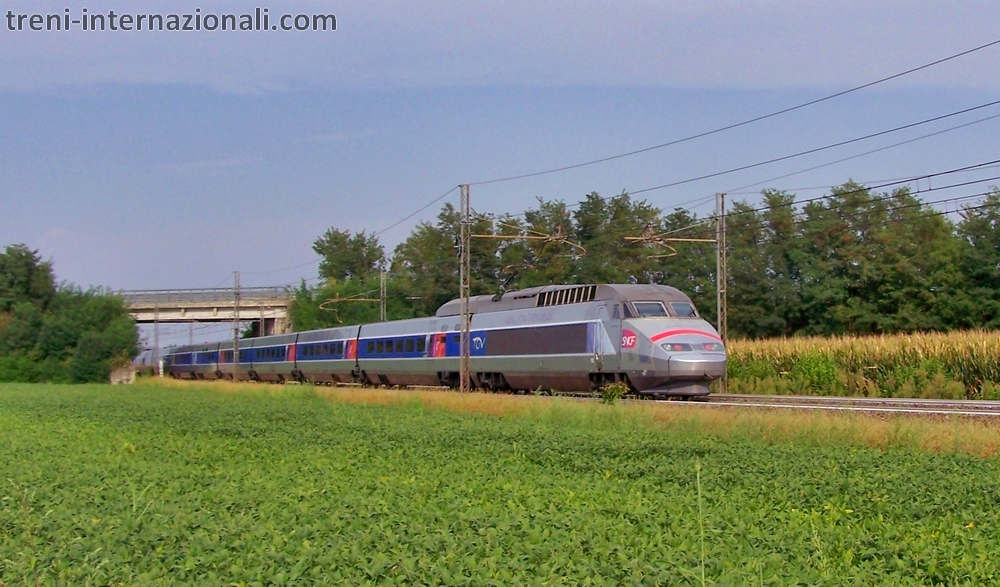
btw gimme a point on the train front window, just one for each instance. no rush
(650, 309)
(684, 309)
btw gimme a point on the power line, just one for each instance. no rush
(892, 183)
(319, 258)
(887, 147)
(827, 186)
(418, 211)
(311, 262)
(815, 150)
(984, 165)
(698, 202)
(739, 124)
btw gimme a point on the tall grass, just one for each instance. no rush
(943, 365)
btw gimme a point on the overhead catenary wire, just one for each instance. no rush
(814, 150)
(694, 203)
(855, 215)
(984, 165)
(417, 211)
(827, 186)
(864, 154)
(741, 123)
(703, 134)
(318, 258)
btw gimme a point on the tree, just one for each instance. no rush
(60, 334)
(24, 277)
(979, 246)
(347, 256)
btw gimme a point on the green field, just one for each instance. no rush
(153, 485)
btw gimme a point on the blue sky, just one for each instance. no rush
(155, 160)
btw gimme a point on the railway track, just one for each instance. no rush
(924, 407)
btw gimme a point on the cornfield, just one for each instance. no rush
(934, 365)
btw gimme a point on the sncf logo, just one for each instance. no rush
(628, 339)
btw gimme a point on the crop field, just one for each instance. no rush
(241, 485)
(954, 365)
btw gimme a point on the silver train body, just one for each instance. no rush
(565, 338)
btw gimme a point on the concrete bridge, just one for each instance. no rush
(266, 305)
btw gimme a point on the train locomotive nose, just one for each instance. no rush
(676, 360)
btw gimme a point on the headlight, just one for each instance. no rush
(677, 346)
(714, 346)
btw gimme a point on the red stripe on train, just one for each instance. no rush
(670, 333)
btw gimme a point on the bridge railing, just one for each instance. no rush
(203, 295)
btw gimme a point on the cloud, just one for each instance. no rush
(400, 44)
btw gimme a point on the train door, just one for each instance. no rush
(605, 345)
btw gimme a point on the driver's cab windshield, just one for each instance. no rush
(659, 310)
(684, 309)
(650, 309)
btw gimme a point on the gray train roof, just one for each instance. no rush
(557, 295)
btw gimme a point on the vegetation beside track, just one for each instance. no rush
(186, 484)
(953, 365)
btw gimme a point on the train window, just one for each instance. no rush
(379, 347)
(370, 347)
(421, 345)
(627, 311)
(340, 348)
(651, 309)
(399, 345)
(409, 345)
(684, 309)
(456, 338)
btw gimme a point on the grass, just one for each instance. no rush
(186, 484)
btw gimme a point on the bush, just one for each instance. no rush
(613, 392)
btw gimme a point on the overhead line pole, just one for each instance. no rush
(721, 277)
(381, 296)
(156, 339)
(465, 270)
(236, 325)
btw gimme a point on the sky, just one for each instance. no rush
(169, 159)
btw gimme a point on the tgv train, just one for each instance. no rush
(563, 337)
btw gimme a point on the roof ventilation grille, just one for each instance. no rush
(571, 295)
